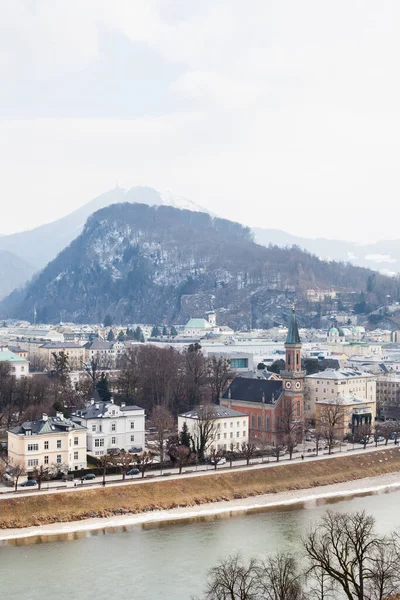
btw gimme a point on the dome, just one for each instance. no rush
(333, 331)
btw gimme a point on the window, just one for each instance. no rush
(113, 440)
(252, 422)
(244, 434)
(33, 462)
(58, 459)
(225, 425)
(237, 423)
(76, 455)
(58, 443)
(33, 447)
(98, 442)
(46, 460)
(239, 363)
(225, 435)
(132, 424)
(237, 433)
(132, 438)
(298, 409)
(76, 441)
(46, 445)
(244, 423)
(93, 427)
(231, 434)
(258, 421)
(268, 426)
(113, 427)
(218, 436)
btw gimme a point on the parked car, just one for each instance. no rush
(380, 438)
(88, 477)
(308, 438)
(136, 449)
(222, 461)
(134, 471)
(29, 483)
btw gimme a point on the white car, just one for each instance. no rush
(222, 461)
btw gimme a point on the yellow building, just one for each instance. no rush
(344, 415)
(48, 441)
(333, 383)
(76, 353)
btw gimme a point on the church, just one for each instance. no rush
(274, 406)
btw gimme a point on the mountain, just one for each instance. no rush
(14, 271)
(383, 256)
(40, 245)
(156, 264)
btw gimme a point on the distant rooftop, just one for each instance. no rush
(339, 374)
(215, 412)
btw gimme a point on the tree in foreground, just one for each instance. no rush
(354, 558)
(234, 579)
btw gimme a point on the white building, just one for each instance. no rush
(48, 441)
(230, 428)
(110, 426)
(19, 366)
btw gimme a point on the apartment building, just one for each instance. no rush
(47, 441)
(230, 427)
(333, 383)
(19, 366)
(345, 413)
(110, 426)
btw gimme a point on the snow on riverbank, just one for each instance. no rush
(369, 485)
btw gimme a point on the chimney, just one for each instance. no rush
(44, 417)
(112, 400)
(60, 416)
(123, 404)
(92, 401)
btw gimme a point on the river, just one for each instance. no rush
(167, 561)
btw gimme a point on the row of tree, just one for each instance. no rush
(345, 557)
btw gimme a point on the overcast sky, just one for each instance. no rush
(276, 113)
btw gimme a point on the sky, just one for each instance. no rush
(274, 113)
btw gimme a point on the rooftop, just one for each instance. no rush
(46, 425)
(339, 374)
(8, 356)
(198, 324)
(213, 411)
(254, 390)
(99, 409)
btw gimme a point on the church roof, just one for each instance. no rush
(293, 336)
(198, 324)
(254, 390)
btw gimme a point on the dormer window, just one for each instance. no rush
(28, 432)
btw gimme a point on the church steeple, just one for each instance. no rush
(293, 336)
(293, 345)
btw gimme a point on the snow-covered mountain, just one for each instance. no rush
(40, 245)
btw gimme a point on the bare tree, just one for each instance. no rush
(180, 454)
(291, 428)
(18, 470)
(105, 462)
(248, 451)
(348, 550)
(278, 450)
(332, 422)
(280, 578)
(364, 434)
(218, 376)
(163, 421)
(144, 461)
(215, 457)
(232, 579)
(124, 461)
(204, 430)
(230, 454)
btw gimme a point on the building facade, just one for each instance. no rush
(48, 441)
(19, 366)
(230, 428)
(333, 383)
(112, 427)
(345, 414)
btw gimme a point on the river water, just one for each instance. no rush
(167, 561)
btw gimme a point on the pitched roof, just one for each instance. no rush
(198, 324)
(293, 336)
(45, 426)
(339, 374)
(8, 356)
(216, 412)
(99, 344)
(99, 409)
(61, 345)
(253, 390)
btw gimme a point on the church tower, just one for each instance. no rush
(292, 375)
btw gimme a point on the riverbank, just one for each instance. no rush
(216, 510)
(135, 501)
